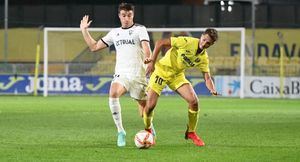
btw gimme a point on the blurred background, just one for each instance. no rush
(153, 13)
(271, 26)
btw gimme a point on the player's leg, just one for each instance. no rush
(142, 105)
(117, 90)
(137, 90)
(155, 86)
(182, 86)
(187, 92)
(149, 111)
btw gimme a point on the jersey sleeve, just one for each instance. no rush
(108, 39)
(143, 34)
(204, 65)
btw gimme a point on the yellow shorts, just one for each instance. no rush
(158, 82)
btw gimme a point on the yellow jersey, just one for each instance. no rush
(182, 55)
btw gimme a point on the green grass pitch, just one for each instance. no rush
(77, 128)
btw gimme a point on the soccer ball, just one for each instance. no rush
(143, 139)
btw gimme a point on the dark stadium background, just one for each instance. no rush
(152, 13)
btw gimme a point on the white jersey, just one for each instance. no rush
(130, 55)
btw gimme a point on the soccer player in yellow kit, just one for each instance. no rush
(185, 52)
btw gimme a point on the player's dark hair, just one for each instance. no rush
(126, 7)
(213, 33)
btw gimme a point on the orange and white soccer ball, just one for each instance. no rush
(143, 139)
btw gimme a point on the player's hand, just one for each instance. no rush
(150, 68)
(85, 22)
(214, 93)
(147, 60)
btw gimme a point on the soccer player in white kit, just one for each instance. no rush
(132, 52)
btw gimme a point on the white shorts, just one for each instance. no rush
(135, 86)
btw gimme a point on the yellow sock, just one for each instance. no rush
(193, 120)
(148, 119)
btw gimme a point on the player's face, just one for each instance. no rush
(205, 41)
(126, 18)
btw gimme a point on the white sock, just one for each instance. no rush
(115, 109)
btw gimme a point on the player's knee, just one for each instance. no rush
(114, 95)
(194, 103)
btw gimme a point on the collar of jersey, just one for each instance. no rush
(197, 52)
(129, 27)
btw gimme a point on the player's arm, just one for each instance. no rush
(166, 42)
(151, 60)
(209, 83)
(147, 51)
(93, 44)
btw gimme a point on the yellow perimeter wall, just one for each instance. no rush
(64, 47)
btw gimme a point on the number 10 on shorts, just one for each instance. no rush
(158, 80)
